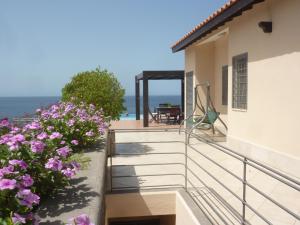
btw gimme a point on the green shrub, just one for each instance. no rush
(98, 87)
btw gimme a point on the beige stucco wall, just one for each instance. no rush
(220, 60)
(147, 204)
(272, 118)
(184, 214)
(206, 61)
(200, 60)
(140, 204)
(271, 123)
(190, 66)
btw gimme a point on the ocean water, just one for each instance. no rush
(21, 106)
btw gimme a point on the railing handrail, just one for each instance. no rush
(247, 161)
(242, 157)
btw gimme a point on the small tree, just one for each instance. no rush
(98, 87)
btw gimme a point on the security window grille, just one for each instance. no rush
(225, 85)
(239, 81)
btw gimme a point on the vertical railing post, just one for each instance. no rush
(185, 164)
(244, 190)
(111, 167)
(110, 158)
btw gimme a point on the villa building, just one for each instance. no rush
(249, 52)
(242, 62)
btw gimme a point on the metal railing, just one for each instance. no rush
(190, 186)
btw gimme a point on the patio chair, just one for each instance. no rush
(153, 115)
(163, 112)
(173, 114)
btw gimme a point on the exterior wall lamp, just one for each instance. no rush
(266, 26)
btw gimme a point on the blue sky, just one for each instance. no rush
(44, 43)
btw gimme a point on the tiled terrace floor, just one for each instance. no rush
(207, 192)
(138, 124)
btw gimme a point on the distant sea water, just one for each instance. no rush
(21, 106)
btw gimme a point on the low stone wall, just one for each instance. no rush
(86, 194)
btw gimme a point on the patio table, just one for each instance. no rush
(166, 110)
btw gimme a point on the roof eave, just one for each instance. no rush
(235, 10)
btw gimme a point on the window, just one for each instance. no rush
(239, 81)
(225, 85)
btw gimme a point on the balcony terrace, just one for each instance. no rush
(228, 187)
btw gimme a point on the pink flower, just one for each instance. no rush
(14, 141)
(54, 108)
(4, 122)
(82, 219)
(15, 130)
(6, 170)
(71, 122)
(64, 151)
(23, 165)
(27, 181)
(76, 166)
(55, 116)
(92, 107)
(27, 198)
(13, 146)
(42, 136)
(45, 115)
(74, 142)
(50, 128)
(37, 146)
(4, 139)
(33, 126)
(68, 172)
(69, 107)
(7, 184)
(19, 138)
(55, 135)
(17, 218)
(89, 133)
(54, 164)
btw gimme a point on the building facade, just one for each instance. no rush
(249, 51)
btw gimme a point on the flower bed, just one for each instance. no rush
(38, 159)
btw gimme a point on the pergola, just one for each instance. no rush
(145, 76)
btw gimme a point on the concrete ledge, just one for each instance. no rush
(287, 164)
(85, 194)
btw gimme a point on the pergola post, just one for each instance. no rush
(182, 95)
(145, 102)
(137, 99)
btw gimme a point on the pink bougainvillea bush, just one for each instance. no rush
(78, 126)
(36, 159)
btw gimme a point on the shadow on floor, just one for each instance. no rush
(76, 196)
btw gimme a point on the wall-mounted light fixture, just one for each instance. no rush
(266, 26)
